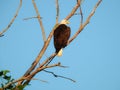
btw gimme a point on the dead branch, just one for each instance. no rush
(54, 65)
(81, 22)
(55, 75)
(13, 19)
(40, 21)
(48, 60)
(32, 18)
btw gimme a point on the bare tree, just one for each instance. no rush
(33, 70)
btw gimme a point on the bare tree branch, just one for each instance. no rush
(40, 21)
(81, 22)
(13, 19)
(32, 18)
(55, 75)
(54, 65)
(48, 60)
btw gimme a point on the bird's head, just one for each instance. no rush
(64, 21)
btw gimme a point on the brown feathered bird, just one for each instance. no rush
(61, 36)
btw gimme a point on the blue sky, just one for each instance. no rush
(93, 57)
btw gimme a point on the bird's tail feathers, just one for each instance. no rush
(59, 54)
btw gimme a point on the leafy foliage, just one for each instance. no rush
(5, 78)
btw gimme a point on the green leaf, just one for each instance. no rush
(7, 77)
(5, 72)
(21, 87)
(1, 73)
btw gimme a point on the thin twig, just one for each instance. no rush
(32, 18)
(57, 11)
(55, 75)
(44, 81)
(13, 19)
(40, 21)
(81, 22)
(48, 60)
(54, 65)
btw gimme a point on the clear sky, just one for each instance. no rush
(93, 57)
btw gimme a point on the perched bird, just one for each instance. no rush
(61, 36)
